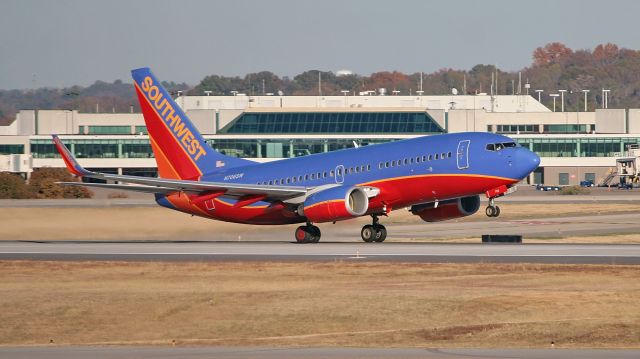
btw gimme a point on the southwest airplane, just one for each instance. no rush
(437, 177)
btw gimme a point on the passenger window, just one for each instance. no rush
(386, 165)
(406, 161)
(449, 155)
(287, 181)
(300, 178)
(324, 174)
(293, 180)
(435, 157)
(318, 175)
(509, 144)
(331, 173)
(424, 158)
(306, 177)
(443, 155)
(368, 167)
(312, 176)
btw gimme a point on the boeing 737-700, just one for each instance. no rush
(437, 177)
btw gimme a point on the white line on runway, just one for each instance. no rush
(325, 254)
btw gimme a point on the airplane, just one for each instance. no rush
(436, 177)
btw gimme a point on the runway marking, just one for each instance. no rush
(328, 254)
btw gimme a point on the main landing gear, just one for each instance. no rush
(492, 210)
(374, 232)
(308, 234)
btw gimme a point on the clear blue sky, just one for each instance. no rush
(67, 42)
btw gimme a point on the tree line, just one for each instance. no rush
(554, 67)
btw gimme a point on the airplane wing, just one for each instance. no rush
(165, 186)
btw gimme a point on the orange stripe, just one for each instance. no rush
(434, 175)
(162, 160)
(168, 128)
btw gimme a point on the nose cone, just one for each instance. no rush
(525, 162)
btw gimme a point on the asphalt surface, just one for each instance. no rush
(523, 195)
(305, 353)
(283, 251)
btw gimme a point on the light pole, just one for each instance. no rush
(562, 99)
(554, 95)
(539, 93)
(345, 92)
(605, 98)
(208, 92)
(585, 99)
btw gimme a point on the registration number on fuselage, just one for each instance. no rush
(233, 176)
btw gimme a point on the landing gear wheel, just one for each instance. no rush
(381, 233)
(368, 234)
(301, 234)
(307, 234)
(492, 211)
(315, 234)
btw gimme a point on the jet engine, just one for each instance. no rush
(449, 209)
(335, 204)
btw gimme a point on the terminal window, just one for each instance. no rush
(11, 149)
(334, 122)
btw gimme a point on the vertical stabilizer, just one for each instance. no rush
(180, 150)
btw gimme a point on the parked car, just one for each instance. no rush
(586, 183)
(541, 187)
(625, 186)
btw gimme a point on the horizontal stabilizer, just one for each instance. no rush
(123, 187)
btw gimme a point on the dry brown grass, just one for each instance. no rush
(320, 304)
(154, 222)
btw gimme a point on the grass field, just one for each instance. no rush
(58, 223)
(320, 304)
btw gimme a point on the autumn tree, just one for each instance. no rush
(13, 186)
(42, 184)
(551, 53)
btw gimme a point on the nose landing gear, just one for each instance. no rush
(492, 210)
(374, 232)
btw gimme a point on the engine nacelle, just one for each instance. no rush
(335, 204)
(454, 208)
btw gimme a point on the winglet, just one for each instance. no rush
(69, 160)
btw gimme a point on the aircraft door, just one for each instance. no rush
(339, 174)
(463, 154)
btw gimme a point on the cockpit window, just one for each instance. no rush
(500, 146)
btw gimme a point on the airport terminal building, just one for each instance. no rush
(573, 146)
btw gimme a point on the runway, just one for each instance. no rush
(283, 251)
(590, 225)
(306, 353)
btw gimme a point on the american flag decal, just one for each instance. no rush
(219, 163)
